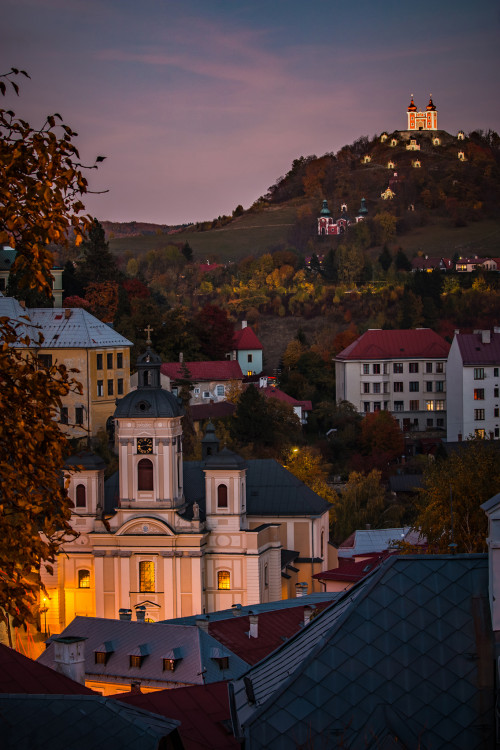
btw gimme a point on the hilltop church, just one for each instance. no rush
(165, 538)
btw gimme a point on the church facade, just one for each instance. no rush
(425, 120)
(165, 538)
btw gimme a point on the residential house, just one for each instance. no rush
(468, 265)
(400, 371)
(300, 408)
(7, 258)
(491, 264)
(424, 263)
(473, 385)
(247, 350)
(180, 538)
(210, 381)
(99, 356)
(349, 571)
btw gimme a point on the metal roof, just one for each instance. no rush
(402, 344)
(474, 352)
(61, 328)
(195, 667)
(199, 371)
(363, 542)
(79, 722)
(407, 652)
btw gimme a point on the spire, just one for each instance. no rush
(148, 369)
(413, 106)
(363, 211)
(325, 211)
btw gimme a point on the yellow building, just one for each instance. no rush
(177, 538)
(81, 342)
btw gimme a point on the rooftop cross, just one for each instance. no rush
(149, 331)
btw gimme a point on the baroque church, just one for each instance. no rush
(164, 538)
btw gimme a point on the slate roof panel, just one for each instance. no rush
(64, 722)
(79, 330)
(196, 666)
(363, 542)
(425, 681)
(396, 344)
(18, 674)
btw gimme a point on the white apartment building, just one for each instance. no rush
(473, 385)
(403, 372)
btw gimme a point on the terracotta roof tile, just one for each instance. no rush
(245, 338)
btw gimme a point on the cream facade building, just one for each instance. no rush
(170, 538)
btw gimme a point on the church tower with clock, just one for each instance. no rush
(167, 538)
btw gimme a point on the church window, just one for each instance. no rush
(145, 475)
(146, 576)
(81, 496)
(84, 579)
(223, 579)
(222, 496)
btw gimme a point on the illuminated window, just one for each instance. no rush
(478, 394)
(81, 496)
(146, 576)
(145, 475)
(439, 405)
(480, 433)
(223, 579)
(429, 405)
(169, 665)
(84, 579)
(135, 661)
(222, 496)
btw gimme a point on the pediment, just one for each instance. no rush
(144, 527)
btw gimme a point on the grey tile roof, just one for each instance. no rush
(158, 639)
(79, 330)
(372, 540)
(79, 722)
(405, 653)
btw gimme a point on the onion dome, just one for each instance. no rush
(413, 106)
(325, 211)
(430, 107)
(363, 211)
(149, 400)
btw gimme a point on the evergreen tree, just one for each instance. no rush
(401, 261)
(187, 252)
(385, 258)
(250, 423)
(98, 263)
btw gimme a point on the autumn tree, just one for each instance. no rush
(214, 331)
(449, 505)
(102, 297)
(381, 442)
(361, 503)
(308, 466)
(42, 185)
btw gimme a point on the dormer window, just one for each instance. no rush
(138, 655)
(103, 653)
(171, 660)
(219, 656)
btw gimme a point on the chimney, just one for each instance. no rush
(68, 312)
(243, 324)
(202, 623)
(125, 614)
(496, 329)
(254, 625)
(140, 613)
(307, 614)
(135, 687)
(69, 657)
(236, 609)
(181, 357)
(486, 337)
(301, 589)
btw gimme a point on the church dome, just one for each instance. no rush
(148, 403)
(225, 459)
(325, 211)
(430, 107)
(413, 106)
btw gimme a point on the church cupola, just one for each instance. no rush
(325, 211)
(148, 369)
(362, 211)
(210, 443)
(412, 107)
(430, 107)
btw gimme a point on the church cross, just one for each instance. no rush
(149, 331)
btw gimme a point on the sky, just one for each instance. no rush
(201, 105)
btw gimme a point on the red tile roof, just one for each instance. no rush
(225, 369)
(282, 396)
(351, 571)
(219, 410)
(245, 338)
(18, 674)
(474, 352)
(201, 709)
(401, 344)
(273, 628)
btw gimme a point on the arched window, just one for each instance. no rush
(84, 579)
(145, 474)
(81, 496)
(146, 576)
(223, 579)
(222, 496)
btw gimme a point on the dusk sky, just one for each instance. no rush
(200, 105)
